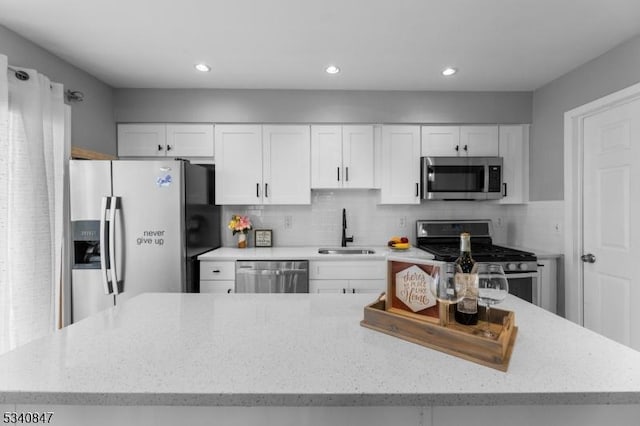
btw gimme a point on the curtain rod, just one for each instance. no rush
(71, 95)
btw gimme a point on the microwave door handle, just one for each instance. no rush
(112, 243)
(104, 246)
(504, 189)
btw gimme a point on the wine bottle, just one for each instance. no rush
(467, 309)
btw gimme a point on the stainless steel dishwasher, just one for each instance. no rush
(272, 276)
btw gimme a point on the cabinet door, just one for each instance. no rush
(479, 141)
(440, 141)
(238, 164)
(326, 157)
(217, 287)
(190, 140)
(328, 286)
(514, 150)
(286, 163)
(367, 286)
(141, 140)
(547, 280)
(400, 165)
(358, 156)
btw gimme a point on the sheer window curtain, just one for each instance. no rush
(33, 142)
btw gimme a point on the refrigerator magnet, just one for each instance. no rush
(263, 238)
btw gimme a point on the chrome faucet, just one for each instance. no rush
(345, 239)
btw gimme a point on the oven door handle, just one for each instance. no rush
(522, 275)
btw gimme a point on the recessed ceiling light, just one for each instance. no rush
(449, 71)
(332, 69)
(202, 67)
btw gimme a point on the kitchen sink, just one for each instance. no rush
(347, 250)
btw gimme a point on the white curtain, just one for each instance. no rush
(32, 148)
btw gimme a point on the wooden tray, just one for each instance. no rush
(466, 342)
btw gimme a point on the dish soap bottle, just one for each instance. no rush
(467, 308)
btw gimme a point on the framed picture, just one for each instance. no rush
(263, 238)
(410, 286)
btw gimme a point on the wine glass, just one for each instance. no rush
(492, 289)
(449, 288)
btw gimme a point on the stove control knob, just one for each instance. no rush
(512, 266)
(523, 267)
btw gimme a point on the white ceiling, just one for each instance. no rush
(286, 44)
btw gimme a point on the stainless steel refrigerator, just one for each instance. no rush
(137, 226)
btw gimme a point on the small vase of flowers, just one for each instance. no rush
(240, 225)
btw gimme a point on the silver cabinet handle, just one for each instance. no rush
(266, 190)
(258, 190)
(346, 174)
(229, 291)
(417, 189)
(588, 258)
(159, 147)
(216, 271)
(104, 246)
(168, 147)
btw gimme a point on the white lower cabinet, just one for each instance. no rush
(548, 281)
(349, 276)
(217, 276)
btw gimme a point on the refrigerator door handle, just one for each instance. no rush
(112, 244)
(104, 246)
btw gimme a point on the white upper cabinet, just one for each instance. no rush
(326, 156)
(457, 141)
(190, 140)
(142, 140)
(400, 165)
(479, 141)
(358, 156)
(514, 150)
(238, 164)
(342, 156)
(286, 162)
(262, 164)
(440, 141)
(165, 140)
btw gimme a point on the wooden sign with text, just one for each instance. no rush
(411, 288)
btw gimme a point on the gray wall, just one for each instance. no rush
(92, 121)
(291, 106)
(610, 72)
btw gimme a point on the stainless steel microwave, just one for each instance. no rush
(461, 178)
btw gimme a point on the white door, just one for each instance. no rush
(400, 181)
(238, 151)
(358, 156)
(611, 202)
(326, 156)
(286, 154)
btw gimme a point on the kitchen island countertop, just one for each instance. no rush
(302, 350)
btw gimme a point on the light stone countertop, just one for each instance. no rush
(308, 253)
(302, 350)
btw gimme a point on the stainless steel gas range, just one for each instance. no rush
(442, 239)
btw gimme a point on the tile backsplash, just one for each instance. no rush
(320, 224)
